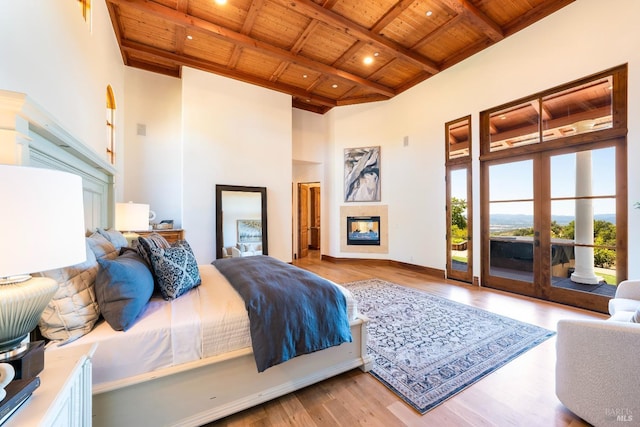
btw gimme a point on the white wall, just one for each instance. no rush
(579, 40)
(234, 133)
(49, 54)
(153, 168)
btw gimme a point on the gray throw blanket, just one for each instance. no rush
(291, 311)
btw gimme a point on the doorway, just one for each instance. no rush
(550, 224)
(553, 187)
(309, 213)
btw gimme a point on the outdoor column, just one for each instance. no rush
(584, 271)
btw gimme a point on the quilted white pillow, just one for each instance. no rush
(74, 309)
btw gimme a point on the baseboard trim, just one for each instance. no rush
(367, 261)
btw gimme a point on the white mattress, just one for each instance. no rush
(207, 321)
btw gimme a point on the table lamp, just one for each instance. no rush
(131, 217)
(42, 217)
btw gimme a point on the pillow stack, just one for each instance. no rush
(174, 267)
(116, 282)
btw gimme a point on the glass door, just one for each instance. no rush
(459, 201)
(510, 238)
(459, 252)
(552, 226)
(583, 240)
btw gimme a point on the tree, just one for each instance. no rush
(458, 210)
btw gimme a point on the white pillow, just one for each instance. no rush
(73, 310)
(636, 316)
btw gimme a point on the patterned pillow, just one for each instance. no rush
(144, 245)
(175, 269)
(636, 316)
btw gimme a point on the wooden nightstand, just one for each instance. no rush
(64, 396)
(172, 234)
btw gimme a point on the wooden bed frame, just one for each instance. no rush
(199, 392)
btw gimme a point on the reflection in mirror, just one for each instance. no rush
(241, 221)
(459, 231)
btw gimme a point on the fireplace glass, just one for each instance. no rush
(363, 230)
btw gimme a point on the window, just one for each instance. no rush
(111, 132)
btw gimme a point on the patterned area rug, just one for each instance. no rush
(427, 348)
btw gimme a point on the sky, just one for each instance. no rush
(514, 181)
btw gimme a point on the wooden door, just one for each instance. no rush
(315, 217)
(303, 220)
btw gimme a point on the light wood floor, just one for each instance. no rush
(520, 393)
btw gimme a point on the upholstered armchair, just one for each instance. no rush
(598, 362)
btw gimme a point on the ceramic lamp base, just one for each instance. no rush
(30, 362)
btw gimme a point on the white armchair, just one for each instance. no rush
(598, 362)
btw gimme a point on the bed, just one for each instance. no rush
(189, 361)
(185, 388)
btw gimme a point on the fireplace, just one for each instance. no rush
(363, 230)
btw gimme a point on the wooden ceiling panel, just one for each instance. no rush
(299, 76)
(148, 30)
(456, 38)
(326, 44)
(278, 26)
(413, 25)
(363, 13)
(257, 64)
(274, 43)
(202, 45)
(396, 73)
(326, 88)
(231, 15)
(503, 12)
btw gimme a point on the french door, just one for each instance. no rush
(554, 223)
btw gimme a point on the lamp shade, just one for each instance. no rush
(42, 214)
(42, 217)
(132, 216)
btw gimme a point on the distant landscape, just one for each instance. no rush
(503, 222)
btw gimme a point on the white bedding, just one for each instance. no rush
(207, 321)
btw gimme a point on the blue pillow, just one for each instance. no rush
(175, 269)
(123, 288)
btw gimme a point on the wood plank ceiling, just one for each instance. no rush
(316, 50)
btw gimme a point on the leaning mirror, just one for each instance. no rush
(241, 221)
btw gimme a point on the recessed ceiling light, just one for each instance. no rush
(376, 54)
(429, 13)
(367, 60)
(304, 76)
(221, 1)
(189, 37)
(334, 85)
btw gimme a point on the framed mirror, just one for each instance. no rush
(241, 221)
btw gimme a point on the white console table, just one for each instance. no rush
(63, 398)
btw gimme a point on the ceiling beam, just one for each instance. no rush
(477, 17)
(231, 36)
(200, 64)
(392, 14)
(314, 11)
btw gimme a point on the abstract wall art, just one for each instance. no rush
(362, 174)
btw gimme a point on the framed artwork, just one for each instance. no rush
(362, 174)
(249, 231)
